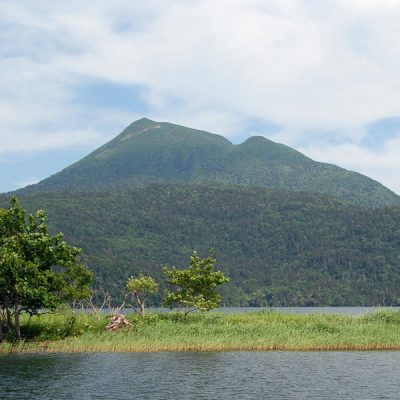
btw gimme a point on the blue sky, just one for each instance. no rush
(321, 76)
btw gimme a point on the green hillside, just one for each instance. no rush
(149, 151)
(278, 247)
(286, 229)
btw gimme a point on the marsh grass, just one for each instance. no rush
(66, 332)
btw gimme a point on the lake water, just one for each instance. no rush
(235, 375)
(231, 375)
(291, 310)
(309, 310)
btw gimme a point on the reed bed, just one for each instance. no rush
(259, 331)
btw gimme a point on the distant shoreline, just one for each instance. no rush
(211, 332)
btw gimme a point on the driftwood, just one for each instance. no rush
(88, 304)
(117, 321)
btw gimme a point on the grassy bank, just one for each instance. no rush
(211, 332)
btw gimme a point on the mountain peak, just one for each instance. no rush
(262, 147)
(139, 124)
(149, 151)
(142, 121)
(137, 127)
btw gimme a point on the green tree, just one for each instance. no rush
(141, 287)
(37, 270)
(195, 286)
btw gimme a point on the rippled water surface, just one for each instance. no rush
(236, 375)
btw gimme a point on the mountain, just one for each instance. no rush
(160, 152)
(278, 248)
(286, 229)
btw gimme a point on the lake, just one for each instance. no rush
(290, 310)
(236, 375)
(309, 310)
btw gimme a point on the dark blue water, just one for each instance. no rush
(236, 375)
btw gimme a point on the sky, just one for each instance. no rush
(321, 76)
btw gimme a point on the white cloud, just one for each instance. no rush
(309, 66)
(382, 165)
(285, 63)
(33, 142)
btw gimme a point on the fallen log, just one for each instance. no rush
(117, 321)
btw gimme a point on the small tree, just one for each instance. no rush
(140, 288)
(195, 286)
(37, 270)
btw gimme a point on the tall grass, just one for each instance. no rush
(210, 332)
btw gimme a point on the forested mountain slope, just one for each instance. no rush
(278, 247)
(286, 229)
(149, 151)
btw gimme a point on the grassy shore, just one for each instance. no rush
(210, 332)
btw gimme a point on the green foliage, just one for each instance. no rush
(141, 287)
(384, 316)
(195, 286)
(142, 284)
(278, 248)
(37, 270)
(153, 152)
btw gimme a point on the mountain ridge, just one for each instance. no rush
(161, 152)
(287, 230)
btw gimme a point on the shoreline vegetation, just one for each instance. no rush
(67, 332)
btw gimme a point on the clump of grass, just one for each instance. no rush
(385, 316)
(57, 326)
(211, 332)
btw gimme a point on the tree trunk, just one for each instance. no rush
(9, 319)
(17, 327)
(186, 311)
(142, 308)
